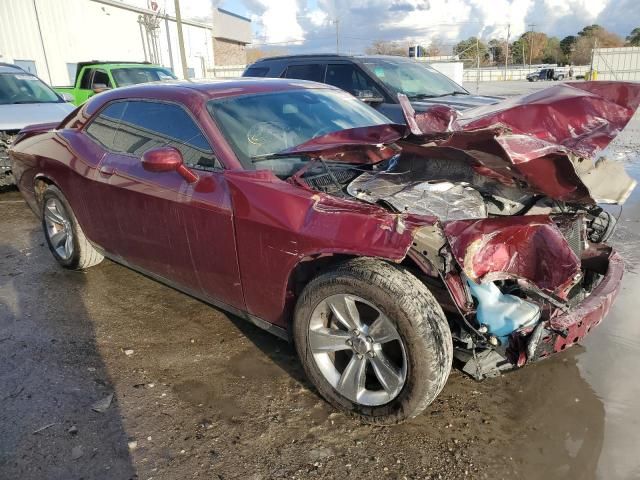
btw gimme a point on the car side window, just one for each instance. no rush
(143, 125)
(256, 72)
(104, 127)
(349, 78)
(311, 71)
(100, 78)
(85, 81)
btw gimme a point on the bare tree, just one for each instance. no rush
(385, 47)
(256, 53)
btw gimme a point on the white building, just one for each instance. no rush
(48, 37)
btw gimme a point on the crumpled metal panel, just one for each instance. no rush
(351, 137)
(527, 247)
(547, 140)
(435, 119)
(591, 311)
(582, 116)
(442, 199)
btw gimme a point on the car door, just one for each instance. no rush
(357, 82)
(92, 79)
(162, 224)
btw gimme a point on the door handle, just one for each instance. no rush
(107, 170)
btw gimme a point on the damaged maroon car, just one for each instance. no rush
(299, 208)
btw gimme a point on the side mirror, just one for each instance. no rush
(67, 97)
(166, 159)
(367, 96)
(373, 100)
(99, 87)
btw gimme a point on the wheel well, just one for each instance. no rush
(312, 266)
(39, 186)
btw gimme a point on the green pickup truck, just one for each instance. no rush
(95, 77)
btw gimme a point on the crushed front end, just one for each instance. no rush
(508, 200)
(549, 286)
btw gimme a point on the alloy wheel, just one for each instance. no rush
(358, 349)
(58, 228)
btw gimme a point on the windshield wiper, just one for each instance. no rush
(277, 155)
(23, 102)
(420, 96)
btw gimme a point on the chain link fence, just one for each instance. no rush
(616, 63)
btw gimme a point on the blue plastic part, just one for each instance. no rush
(502, 313)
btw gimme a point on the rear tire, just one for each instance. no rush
(417, 374)
(65, 237)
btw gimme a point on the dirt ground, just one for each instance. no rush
(197, 393)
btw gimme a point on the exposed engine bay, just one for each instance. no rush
(445, 188)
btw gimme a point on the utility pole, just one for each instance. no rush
(593, 53)
(183, 57)
(44, 51)
(337, 22)
(477, 64)
(532, 25)
(506, 57)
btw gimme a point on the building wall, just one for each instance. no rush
(230, 26)
(80, 30)
(228, 52)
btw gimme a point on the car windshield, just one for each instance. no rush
(260, 125)
(412, 78)
(22, 87)
(133, 75)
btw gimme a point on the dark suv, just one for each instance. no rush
(375, 79)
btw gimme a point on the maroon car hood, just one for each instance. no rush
(547, 140)
(582, 116)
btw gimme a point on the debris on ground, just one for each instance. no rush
(76, 452)
(101, 406)
(45, 427)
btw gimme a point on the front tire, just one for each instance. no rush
(373, 340)
(65, 237)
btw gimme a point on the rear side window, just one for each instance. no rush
(312, 71)
(256, 72)
(142, 125)
(350, 79)
(104, 127)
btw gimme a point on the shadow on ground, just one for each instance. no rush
(51, 371)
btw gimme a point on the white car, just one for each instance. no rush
(24, 100)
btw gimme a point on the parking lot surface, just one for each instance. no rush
(108, 374)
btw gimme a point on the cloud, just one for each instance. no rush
(363, 21)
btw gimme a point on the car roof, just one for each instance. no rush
(114, 63)
(182, 90)
(10, 68)
(338, 56)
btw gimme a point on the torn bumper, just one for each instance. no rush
(565, 330)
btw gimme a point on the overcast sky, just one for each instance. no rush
(308, 25)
